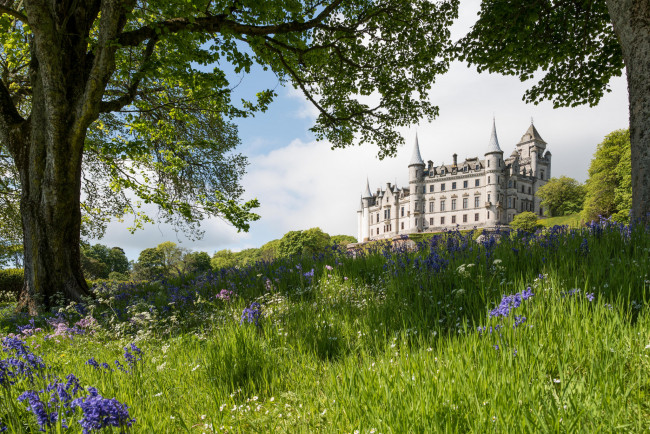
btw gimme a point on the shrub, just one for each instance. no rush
(526, 221)
(11, 280)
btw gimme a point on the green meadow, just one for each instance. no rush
(545, 332)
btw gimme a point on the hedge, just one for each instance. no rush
(11, 280)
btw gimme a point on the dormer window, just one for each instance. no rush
(465, 169)
(478, 167)
(442, 171)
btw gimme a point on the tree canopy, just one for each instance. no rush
(129, 102)
(562, 196)
(609, 187)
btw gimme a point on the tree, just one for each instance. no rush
(562, 196)
(580, 45)
(608, 189)
(150, 264)
(343, 240)
(196, 262)
(223, 259)
(303, 243)
(525, 221)
(98, 261)
(117, 84)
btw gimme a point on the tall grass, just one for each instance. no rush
(387, 341)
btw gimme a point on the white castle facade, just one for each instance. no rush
(473, 194)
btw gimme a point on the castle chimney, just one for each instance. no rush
(455, 159)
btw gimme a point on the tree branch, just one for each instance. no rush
(4, 10)
(127, 98)
(9, 116)
(219, 23)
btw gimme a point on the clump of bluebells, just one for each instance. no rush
(509, 302)
(252, 314)
(60, 401)
(100, 412)
(20, 363)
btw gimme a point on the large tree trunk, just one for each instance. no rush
(631, 19)
(50, 175)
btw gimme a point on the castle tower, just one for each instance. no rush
(532, 145)
(493, 167)
(416, 198)
(364, 225)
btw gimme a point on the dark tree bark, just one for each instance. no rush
(631, 20)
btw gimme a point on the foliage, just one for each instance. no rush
(343, 240)
(150, 264)
(609, 187)
(525, 221)
(11, 280)
(303, 243)
(167, 259)
(98, 261)
(562, 196)
(392, 341)
(573, 43)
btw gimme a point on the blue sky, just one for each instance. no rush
(302, 183)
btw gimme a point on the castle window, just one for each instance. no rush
(442, 206)
(476, 217)
(431, 188)
(528, 190)
(499, 162)
(465, 183)
(453, 186)
(488, 214)
(488, 197)
(442, 187)
(541, 175)
(453, 204)
(478, 167)
(488, 179)
(488, 163)
(431, 221)
(476, 201)
(465, 169)
(402, 225)
(509, 202)
(477, 182)
(509, 184)
(465, 203)
(464, 218)
(377, 220)
(402, 215)
(442, 220)
(431, 207)
(453, 219)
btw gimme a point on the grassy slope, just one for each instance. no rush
(572, 221)
(392, 348)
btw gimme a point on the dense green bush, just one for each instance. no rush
(526, 221)
(11, 280)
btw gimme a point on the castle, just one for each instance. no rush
(475, 193)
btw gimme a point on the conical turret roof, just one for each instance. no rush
(531, 134)
(367, 192)
(493, 146)
(416, 158)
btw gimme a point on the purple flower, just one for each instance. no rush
(509, 302)
(590, 296)
(100, 412)
(252, 314)
(36, 406)
(309, 273)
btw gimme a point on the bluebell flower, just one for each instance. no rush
(590, 296)
(100, 412)
(252, 314)
(36, 406)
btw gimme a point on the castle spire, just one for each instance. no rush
(416, 158)
(367, 192)
(493, 146)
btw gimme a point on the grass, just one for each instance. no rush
(572, 220)
(386, 342)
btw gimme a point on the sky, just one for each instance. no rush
(302, 183)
